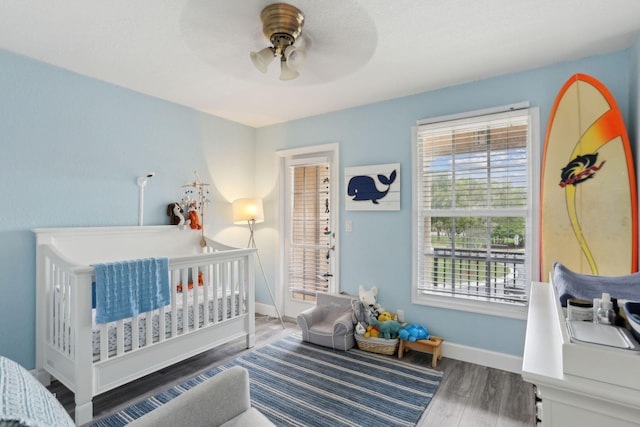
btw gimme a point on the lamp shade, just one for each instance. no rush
(247, 209)
(286, 73)
(295, 57)
(262, 58)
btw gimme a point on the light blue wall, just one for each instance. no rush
(378, 250)
(72, 148)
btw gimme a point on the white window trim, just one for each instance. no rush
(533, 214)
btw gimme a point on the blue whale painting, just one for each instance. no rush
(363, 187)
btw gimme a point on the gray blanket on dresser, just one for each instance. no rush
(570, 284)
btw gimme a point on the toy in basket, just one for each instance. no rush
(381, 336)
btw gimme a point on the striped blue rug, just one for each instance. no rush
(299, 384)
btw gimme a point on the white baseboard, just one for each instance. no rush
(266, 309)
(479, 356)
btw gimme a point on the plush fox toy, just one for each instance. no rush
(194, 220)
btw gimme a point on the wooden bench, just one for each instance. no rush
(432, 345)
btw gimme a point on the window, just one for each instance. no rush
(473, 226)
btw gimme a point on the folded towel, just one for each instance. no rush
(128, 288)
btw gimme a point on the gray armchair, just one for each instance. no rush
(222, 400)
(330, 322)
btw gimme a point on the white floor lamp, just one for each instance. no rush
(251, 211)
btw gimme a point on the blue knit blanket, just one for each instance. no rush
(128, 288)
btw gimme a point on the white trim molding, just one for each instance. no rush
(479, 356)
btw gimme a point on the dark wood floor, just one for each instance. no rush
(469, 395)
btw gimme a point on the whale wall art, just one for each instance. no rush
(372, 188)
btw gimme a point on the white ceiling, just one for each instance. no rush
(196, 52)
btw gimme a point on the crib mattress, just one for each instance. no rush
(142, 326)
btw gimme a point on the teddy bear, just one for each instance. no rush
(413, 332)
(370, 300)
(388, 329)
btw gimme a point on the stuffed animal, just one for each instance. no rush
(193, 218)
(372, 332)
(370, 300)
(384, 316)
(360, 316)
(175, 214)
(413, 332)
(190, 284)
(388, 329)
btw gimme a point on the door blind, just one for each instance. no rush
(310, 237)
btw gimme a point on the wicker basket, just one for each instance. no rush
(377, 345)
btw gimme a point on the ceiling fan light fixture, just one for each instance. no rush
(263, 58)
(286, 72)
(281, 25)
(295, 57)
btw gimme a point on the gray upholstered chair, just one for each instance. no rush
(222, 400)
(330, 322)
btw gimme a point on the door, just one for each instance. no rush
(309, 237)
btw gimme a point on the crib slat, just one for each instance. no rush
(216, 291)
(148, 320)
(104, 341)
(55, 291)
(232, 288)
(225, 289)
(196, 300)
(241, 288)
(119, 337)
(162, 324)
(57, 333)
(135, 333)
(175, 275)
(185, 300)
(67, 334)
(205, 295)
(50, 291)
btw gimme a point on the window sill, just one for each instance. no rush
(473, 306)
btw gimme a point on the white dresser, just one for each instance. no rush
(579, 384)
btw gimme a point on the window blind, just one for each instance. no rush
(309, 242)
(472, 203)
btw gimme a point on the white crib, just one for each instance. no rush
(90, 359)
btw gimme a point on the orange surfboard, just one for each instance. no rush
(588, 206)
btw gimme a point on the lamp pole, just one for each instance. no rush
(252, 244)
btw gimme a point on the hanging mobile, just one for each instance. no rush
(202, 201)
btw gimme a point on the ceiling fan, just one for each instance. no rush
(222, 32)
(282, 25)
